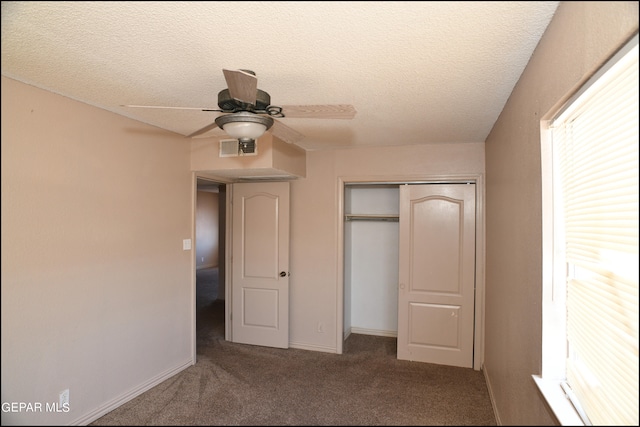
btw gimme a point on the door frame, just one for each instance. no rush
(478, 180)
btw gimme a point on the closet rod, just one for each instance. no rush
(372, 217)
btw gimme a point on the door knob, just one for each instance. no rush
(283, 274)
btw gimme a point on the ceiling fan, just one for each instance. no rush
(247, 111)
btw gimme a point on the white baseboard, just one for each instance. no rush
(312, 347)
(376, 332)
(131, 394)
(491, 397)
(200, 267)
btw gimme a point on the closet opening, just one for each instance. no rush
(371, 213)
(411, 268)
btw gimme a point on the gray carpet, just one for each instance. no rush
(237, 384)
(206, 287)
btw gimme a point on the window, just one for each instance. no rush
(590, 250)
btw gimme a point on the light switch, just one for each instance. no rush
(186, 245)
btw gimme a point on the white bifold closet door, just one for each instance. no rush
(436, 300)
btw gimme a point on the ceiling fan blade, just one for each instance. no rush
(285, 133)
(340, 111)
(243, 86)
(205, 129)
(172, 108)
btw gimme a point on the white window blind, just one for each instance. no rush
(595, 149)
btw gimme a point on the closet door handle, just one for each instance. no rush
(283, 274)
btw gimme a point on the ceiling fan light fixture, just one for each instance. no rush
(244, 125)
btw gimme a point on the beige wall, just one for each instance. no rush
(96, 288)
(581, 36)
(207, 229)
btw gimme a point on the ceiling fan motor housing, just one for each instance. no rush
(228, 104)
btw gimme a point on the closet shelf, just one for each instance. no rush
(371, 217)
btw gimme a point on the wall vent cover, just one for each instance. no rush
(229, 148)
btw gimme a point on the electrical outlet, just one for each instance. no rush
(64, 399)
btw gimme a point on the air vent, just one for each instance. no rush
(229, 148)
(233, 148)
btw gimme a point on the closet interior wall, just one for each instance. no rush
(371, 235)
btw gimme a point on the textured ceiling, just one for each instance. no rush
(416, 72)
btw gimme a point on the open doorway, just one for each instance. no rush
(210, 226)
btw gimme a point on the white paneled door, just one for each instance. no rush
(437, 273)
(260, 264)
